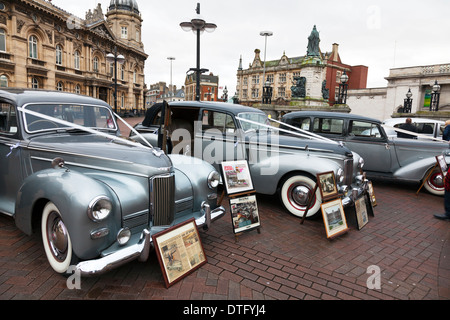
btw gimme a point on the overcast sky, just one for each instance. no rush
(380, 34)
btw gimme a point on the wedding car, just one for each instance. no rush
(218, 132)
(97, 198)
(386, 156)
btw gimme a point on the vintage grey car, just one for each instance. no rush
(97, 198)
(217, 132)
(385, 156)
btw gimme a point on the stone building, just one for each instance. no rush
(281, 74)
(386, 102)
(209, 87)
(45, 47)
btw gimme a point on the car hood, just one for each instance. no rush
(298, 143)
(87, 150)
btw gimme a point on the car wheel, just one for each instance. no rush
(294, 193)
(56, 239)
(435, 182)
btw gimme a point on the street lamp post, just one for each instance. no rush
(407, 105)
(343, 86)
(171, 87)
(265, 34)
(434, 106)
(198, 25)
(116, 59)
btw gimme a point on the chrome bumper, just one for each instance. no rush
(139, 250)
(354, 194)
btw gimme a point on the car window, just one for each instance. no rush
(8, 120)
(328, 126)
(364, 129)
(302, 123)
(218, 120)
(96, 117)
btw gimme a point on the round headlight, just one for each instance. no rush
(99, 208)
(123, 236)
(213, 179)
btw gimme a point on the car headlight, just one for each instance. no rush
(340, 176)
(213, 179)
(99, 208)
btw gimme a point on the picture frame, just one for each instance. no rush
(440, 159)
(179, 250)
(362, 217)
(236, 177)
(371, 192)
(244, 214)
(327, 185)
(334, 218)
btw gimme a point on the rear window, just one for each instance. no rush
(328, 126)
(364, 129)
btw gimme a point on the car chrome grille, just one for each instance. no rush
(348, 169)
(162, 206)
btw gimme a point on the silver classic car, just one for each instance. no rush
(218, 132)
(385, 156)
(95, 197)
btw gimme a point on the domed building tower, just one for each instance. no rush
(124, 19)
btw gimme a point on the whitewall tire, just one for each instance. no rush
(294, 194)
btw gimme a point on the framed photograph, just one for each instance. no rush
(244, 214)
(179, 251)
(372, 197)
(442, 164)
(334, 218)
(327, 185)
(236, 176)
(361, 212)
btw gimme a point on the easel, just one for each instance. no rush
(308, 204)
(426, 179)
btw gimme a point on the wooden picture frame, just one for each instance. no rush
(179, 251)
(362, 216)
(442, 165)
(327, 185)
(334, 218)
(244, 214)
(371, 192)
(236, 177)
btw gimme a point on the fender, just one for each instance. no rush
(415, 171)
(280, 166)
(71, 192)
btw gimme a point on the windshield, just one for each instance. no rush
(52, 115)
(257, 121)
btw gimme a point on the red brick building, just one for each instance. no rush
(209, 87)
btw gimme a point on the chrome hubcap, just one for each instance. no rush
(300, 195)
(57, 236)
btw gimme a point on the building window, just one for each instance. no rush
(122, 100)
(245, 81)
(282, 78)
(282, 92)
(124, 33)
(77, 89)
(77, 60)
(138, 36)
(3, 81)
(60, 86)
(134, 76)
(59, 53)
(270, 78)
(34, 83)
(2, 40)
(95, 64)
(255, 79)
(33, 47)
(122, 72)
(255, 93)
(111, 69)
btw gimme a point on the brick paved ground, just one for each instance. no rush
(285, 261)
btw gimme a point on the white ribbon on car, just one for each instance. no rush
(418, 135)
(17, 145)
(71, 125)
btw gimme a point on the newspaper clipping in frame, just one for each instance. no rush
(244, 213)
(237, 176)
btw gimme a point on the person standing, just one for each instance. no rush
(408, 126)
(446, 216)
(446, 134)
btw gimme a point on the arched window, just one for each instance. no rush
(122, 72)
(33, 47)
(34, 83)
(123, 100)
(60, 86)
(95, 64)
(3, 81)
(59, 54)
(2, 40)
(77, 60)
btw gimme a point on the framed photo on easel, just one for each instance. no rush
(327, 185)
(237, 178)
(361, 212)
(334, 218)
(244, 213)
(442, 164)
